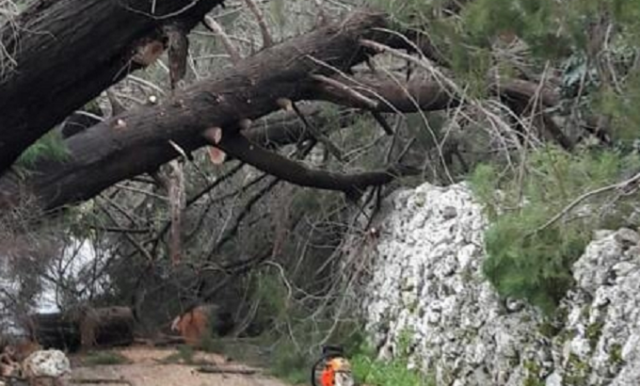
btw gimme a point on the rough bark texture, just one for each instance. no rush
(310, 67)
(94, 38)
(138, 140)
(391, 95)
(297, 173)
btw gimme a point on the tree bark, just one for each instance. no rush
(297, 173)
(67, 52)
(138, 140)
(111, 326)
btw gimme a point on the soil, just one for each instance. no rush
(149, 366)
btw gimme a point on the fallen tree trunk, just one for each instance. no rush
(309, 67)
(138, 141)
(96, 38)
(99, 327)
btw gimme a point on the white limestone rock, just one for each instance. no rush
(603, 326)
(46, 364)
(426, 285)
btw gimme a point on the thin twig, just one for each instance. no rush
(382, 122)
(135, 243)
(317, 134)
(267, 40)
(577, 201)
(347, 91)
(217, 29)
(167, 15)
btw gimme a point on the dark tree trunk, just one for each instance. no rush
(56, 331)
(137, 141)
(100, 327)
(67, 52)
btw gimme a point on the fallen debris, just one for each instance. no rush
(97, 381)
(226, 370)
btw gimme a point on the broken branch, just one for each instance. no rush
(225, 370)
(296, 173)
(383, 122)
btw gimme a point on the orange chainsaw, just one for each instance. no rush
(332, 369)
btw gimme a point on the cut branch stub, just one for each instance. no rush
(120, 124)
(213, 135)
(152, 100)
(245, 124)
(285, 103)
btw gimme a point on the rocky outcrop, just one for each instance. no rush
(427, 297)
(46, 364)
(600, 340)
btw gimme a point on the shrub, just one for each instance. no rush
(50, 147)
(395, 372)
(526, 260)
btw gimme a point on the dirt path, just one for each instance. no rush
(162, 367)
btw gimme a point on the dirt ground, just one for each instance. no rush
(148, 366)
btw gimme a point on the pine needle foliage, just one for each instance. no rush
(530, 261)
(50, 147)
(589, 48)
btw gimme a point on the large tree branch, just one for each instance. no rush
(390, 95)
(137, 141)
(68, 51)
(297, 173)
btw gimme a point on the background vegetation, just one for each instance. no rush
(549, 174)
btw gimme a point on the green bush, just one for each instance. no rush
(526, 260)
(50, 147)
(293, 361)
(536, 268)
(294, 366)
(370, 371)
(395, 372)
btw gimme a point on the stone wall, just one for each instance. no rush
(426, 289)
